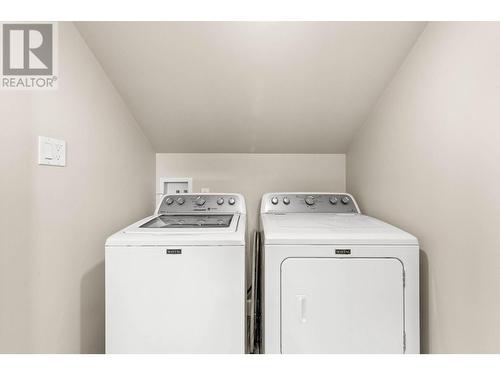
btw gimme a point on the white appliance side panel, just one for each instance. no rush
(342, 305)
(193, 302)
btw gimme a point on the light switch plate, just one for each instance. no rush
(51, 151)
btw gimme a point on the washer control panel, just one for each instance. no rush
(177, 203)
(309, 202)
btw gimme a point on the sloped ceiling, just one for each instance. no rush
(299, 87)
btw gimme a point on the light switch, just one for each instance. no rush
(47, 151)
(51, 151)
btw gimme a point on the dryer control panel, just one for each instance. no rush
(202, 203)
(340, 203)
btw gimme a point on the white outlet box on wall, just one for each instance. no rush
(173, 185)
(51, 151)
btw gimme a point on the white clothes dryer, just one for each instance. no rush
(334, 280)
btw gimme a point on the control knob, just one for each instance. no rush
(309, 200)
(286, 200)
(333, 200)
(274, 200)
(345, 200)
(180, 201)
(220, 201)
(169, 201)
(231, 201)
(200, 201)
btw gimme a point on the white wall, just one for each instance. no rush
(54, 221)
(255, 174)
(427, 160)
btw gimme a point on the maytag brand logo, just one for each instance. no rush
(343, 251)
(28, 58)
(174, 251)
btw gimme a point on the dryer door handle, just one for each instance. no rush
(301, 299)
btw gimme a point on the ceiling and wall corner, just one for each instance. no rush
(250, 87)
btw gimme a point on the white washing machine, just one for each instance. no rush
(334, 280)
(175, 281)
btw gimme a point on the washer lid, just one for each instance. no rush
(196, 230)
(327, 229)
(189, 221)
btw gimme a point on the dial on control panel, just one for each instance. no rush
(220, 201)
(274, 200)
(180, 201)
(200, 201)
(169, 201)
(286, 200)
(345, 200)
(231, 201)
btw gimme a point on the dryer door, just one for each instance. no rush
(342, 305)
